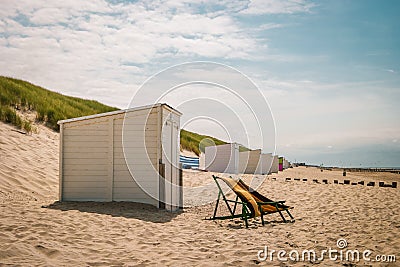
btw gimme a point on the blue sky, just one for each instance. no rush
(330, 70)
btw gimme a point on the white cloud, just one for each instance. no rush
(47, 16)
(311, 114)
(268, 26)
(56, 43)
(259, 7)
(64, 44)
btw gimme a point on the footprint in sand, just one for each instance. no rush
(49, 252)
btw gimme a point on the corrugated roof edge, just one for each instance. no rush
(119, 112)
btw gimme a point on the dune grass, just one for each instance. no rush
(50, 106)
(196, 142)
(9, 115)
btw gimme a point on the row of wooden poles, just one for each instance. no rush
(345, 182)
(396, 171)
(373, 170)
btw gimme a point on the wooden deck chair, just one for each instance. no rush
(253, 204)
(266, 205)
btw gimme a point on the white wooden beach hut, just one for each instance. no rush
(249, 161)
(202, 161)
(286, 164)
(265, 163)
(222, 158)
(122, 156)
(275, 164)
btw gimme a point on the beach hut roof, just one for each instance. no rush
(119, 112)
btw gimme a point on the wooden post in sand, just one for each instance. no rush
(394, 184)
(181, 186)
(161, 171)
(382, 184)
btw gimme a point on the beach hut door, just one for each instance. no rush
(170, 159)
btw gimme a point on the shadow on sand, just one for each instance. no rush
(129, 210)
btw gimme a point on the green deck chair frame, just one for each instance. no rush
(247, 211)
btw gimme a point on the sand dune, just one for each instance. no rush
(29, 163)
(36, 230)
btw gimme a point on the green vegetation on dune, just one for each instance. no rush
(51, 107)
(196, 142)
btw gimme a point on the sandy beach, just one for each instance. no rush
(37, 230)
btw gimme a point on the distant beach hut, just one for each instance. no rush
(286, 164)
(275, 164)
(281, 163)
(249, 161)
(202, 161)
(265, 163)
(93, 166)
(222, 158)
(189, 162)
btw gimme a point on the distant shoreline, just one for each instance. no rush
(360, 169)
